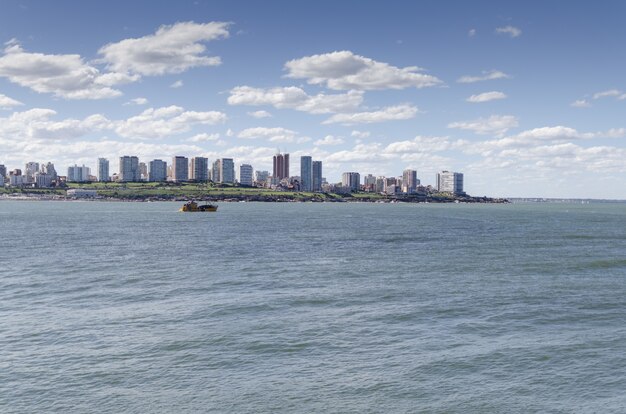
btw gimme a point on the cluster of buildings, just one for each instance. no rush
(222, 170)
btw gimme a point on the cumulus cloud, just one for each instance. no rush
(204, 137)
(580, 103)
(343, 70)
(495, 124)
(172, 49)
(137, 101)
(165, 121)
(260, 114)
(390, 113)
(487, 75)
(8, 103)
(610, 93)
(179, 83)
(329, 140)
(66, 76)
(276, 134)
(486, 97)
(360, 134)
(296, 98)
(509, 30)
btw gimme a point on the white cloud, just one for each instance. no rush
(172, 49)
(471, 33)
(165, 121)
(360, 134)
(329, 140)
(204, 137)
(580, 103)
(66, 76)
(8, 103)
(486, 97)
(230, 132)
(604, 94)
(276, 134)
(260, 114)
(343, 70)
(296, 98)
(509, 30)
(487, 75)
(137, 101)
(37, 123)
(495, 124)
(390, 113)
(179, 83)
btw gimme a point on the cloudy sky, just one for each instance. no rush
(525, 98)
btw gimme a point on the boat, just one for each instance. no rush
(193, 207)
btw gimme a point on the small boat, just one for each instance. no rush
(192, 207)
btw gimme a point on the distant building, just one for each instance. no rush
(409, 181)
(215, 171)
(227, 170)
(103, 170)
(380, 184)
(158, 171)
(450, 182)
(389, 181)
(351, 180)
(81, 193)
(143, 171)
(30, 170)
(180, 169)
(50, 170)
(317, 176)
(369, 183)
(199, 169)
(43, 180)
(129, 169)
(245, 174)
(306, 173)
(281, 166)
(16, 179)
(3, 174)
(78, 174)
(260, 177)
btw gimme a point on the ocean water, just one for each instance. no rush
(336, 308)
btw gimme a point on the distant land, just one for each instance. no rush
(209, 192)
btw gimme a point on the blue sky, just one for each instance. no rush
(525, 98)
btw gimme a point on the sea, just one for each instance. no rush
(112, 307)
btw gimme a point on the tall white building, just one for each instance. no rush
(245, 174)
(103, 170)
(369, 183)
(409, 181)
(450, 182)
(78, 174)
(158, 171)
(306, 173)
(351, 180)
(129, 169)
(227, 170)
(317, 176)
(199, 169)
(30, 170)
(215, 171)
(180, 169)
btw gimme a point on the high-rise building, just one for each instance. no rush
(215, 171)
(3, 174)
(199, 169)
(78, 174)
(103, 170)
(380, 184)
(409, 181)
(245, 174)
(143, 171)
(317, 176)
(129, 169)
(369, 183)
(227, 170)
(16, 179)
(261, 176)
(158, 171)
(450, 182)
(30, 170)
(50, 170)
(180, 169)
(43, 180)
(306, 173)
(351, 180)
(281, 166)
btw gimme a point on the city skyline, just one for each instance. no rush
(527, 100)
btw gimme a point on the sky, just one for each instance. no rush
(527, 99)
